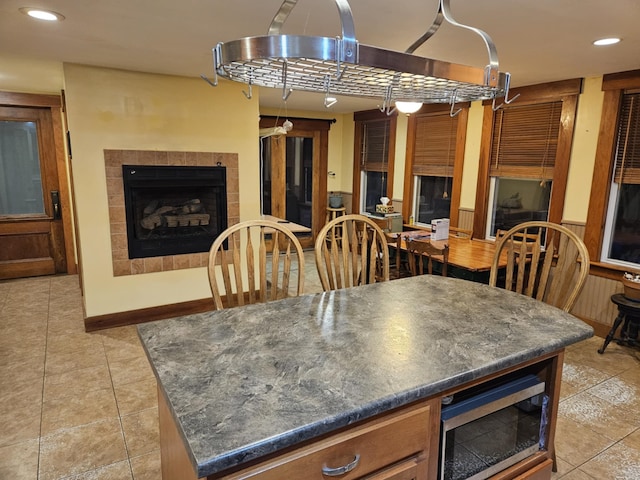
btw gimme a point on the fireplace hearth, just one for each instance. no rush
(173, 210)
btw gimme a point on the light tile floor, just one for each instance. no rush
(83, 406)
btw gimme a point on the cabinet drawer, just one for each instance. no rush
(407, 470)
(377, 444)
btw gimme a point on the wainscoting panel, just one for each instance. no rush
(594, 303)
(465, 219)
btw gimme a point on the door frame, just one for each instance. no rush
(318, 129)
(55, 104)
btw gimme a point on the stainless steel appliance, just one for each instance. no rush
(488, 431)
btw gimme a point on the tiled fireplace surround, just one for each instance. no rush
(114, 159)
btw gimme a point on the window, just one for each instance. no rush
(525, 157)
(622, 228)
(434, 156)
(523, 153)
(615, 191)
(373, 164)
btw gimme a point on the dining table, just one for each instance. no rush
(469, 258)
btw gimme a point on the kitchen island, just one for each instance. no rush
(348, 379)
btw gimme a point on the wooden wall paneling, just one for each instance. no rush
(465, 219)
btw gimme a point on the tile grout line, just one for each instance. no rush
(113, 388)
(615, 441)
(44, 372)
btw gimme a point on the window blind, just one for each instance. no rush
(435, 145)
(375, 145)
(627, 153)
(525, 140)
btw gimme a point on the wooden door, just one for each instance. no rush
(32, 239)
(294, 174)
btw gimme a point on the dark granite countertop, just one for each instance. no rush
(245, 382)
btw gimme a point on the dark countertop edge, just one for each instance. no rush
(245, 454)
(192, 458)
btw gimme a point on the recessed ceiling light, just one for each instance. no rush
(40, 14)
(606, 41)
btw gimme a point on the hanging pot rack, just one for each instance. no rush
(343, 66)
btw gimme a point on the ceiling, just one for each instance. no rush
(537, 40)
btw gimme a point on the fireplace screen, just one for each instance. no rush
(173, 210)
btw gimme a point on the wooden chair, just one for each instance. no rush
(253, 268)
(393, 243)
(418, 250)
(553, 271)
(358, 256)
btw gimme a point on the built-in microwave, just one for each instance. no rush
(487, 430)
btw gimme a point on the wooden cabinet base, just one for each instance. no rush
(408, 429)
(402, 444)
(173, 455)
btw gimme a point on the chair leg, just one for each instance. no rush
(612, 332)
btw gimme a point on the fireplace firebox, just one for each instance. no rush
(173, 210)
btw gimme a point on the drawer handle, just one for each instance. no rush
(335, 472)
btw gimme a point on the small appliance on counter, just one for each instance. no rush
(440, 229)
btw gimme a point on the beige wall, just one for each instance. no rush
(471, 157)
(114, 109)
(30, 76)
(583, 153)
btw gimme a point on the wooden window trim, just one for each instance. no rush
(458, 165)
(614, 86)
(567, 91)
(359, 118)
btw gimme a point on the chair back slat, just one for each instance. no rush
(533, 263)
(286, 273)
(359, 255)
(553, 271)
(236, 298)
(543, 290)
(274, 264)
(253, 268)
(418, 251)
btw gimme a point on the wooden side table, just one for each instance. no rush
(629, 311)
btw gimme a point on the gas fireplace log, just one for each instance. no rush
(187, 214)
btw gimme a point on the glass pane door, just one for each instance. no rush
(299, 180)
(21, 192)
(287, 179)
